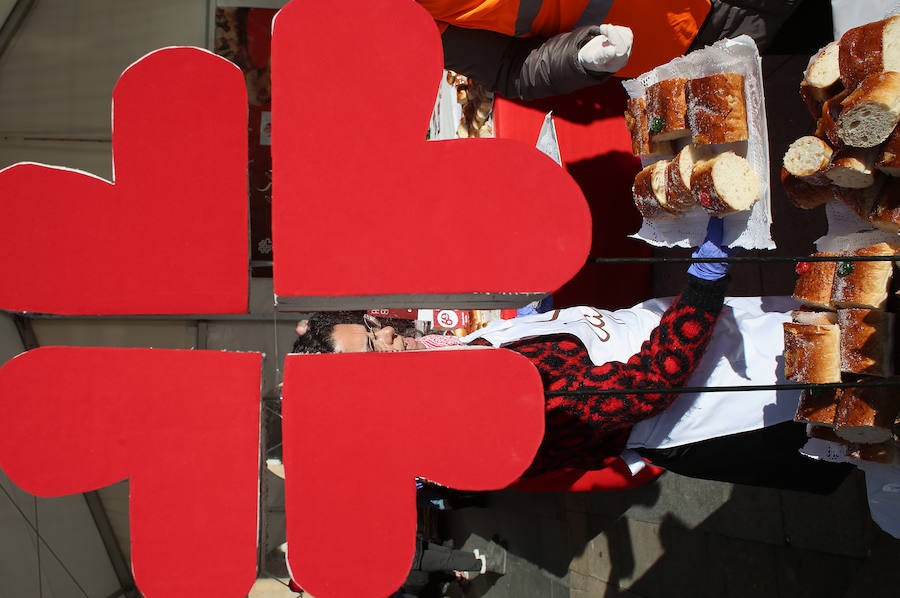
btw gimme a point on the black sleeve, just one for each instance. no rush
(524, 68)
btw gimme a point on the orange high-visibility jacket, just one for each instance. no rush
(663, 29)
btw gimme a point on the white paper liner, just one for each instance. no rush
(750, 229)
(847, 231)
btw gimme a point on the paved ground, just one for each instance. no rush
(682, 537)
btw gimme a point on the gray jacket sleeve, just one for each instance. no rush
(524, 68)
(760, 19)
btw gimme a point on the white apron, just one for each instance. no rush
(746, 349)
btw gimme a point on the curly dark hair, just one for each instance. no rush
(318, 335)
(320, 325)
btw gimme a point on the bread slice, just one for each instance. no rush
(666, 110)
(869, 49)
(863, 284)
(678, 179)
(866, 415)
(852, 168)
(885, 210)
(867, 341)
(817, 406)
(636, 121)
(871, 111)
(649, 192)
(812, 353)
(814, 281)
(716, 109)
(889, 154)
(802, 194)
(826, 125)
(724, 184)
(822, 78)
(807, 158)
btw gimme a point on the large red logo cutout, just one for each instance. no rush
(353, 87)
(175, 222)
(169, 235)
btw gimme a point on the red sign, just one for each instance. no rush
(184, 425)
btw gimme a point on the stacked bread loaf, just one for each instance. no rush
(696, 131)
(845, 332)
(852, 89)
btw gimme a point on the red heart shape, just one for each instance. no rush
(363, 205)
(170, 234)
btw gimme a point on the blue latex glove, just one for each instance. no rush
(712, 247)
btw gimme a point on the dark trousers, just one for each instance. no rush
(440, 558)
(767, 457)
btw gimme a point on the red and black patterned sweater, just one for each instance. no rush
(588, 431)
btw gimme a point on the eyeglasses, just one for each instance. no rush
(371, 323)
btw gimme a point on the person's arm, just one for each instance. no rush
(666, 360)
(526, 68)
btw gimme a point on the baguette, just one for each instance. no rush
(716, 109)
(636, 121)
(807, 158)
(852, 168)
(724, 184)
(666, 110)
(817, 406)
(802, 194)
(812, 353)
(869, 49)
(649, 192)
(863, 284)
(822, 78)
(871, 111)
(826, 125)
(813, 286)
(678, 180)
(866, 415)
(867, 341)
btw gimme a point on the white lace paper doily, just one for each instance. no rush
(750, 229)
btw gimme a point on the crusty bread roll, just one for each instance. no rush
(666, 110)
(807, 158)
(889, 154)
(863, 284)
(866, 415)
(885, 210)
(867, 341)
(724, 184)
(813, 287)
(871, 111)
(805, 196)
(649, 192)
(817, 406)
(678, 179)
(822, 78)
(868, 49)
(716, 109)
(852, 168)
(812, 353)
(636, 121)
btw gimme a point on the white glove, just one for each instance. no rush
(609, 51)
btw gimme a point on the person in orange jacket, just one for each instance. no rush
(530, 49)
